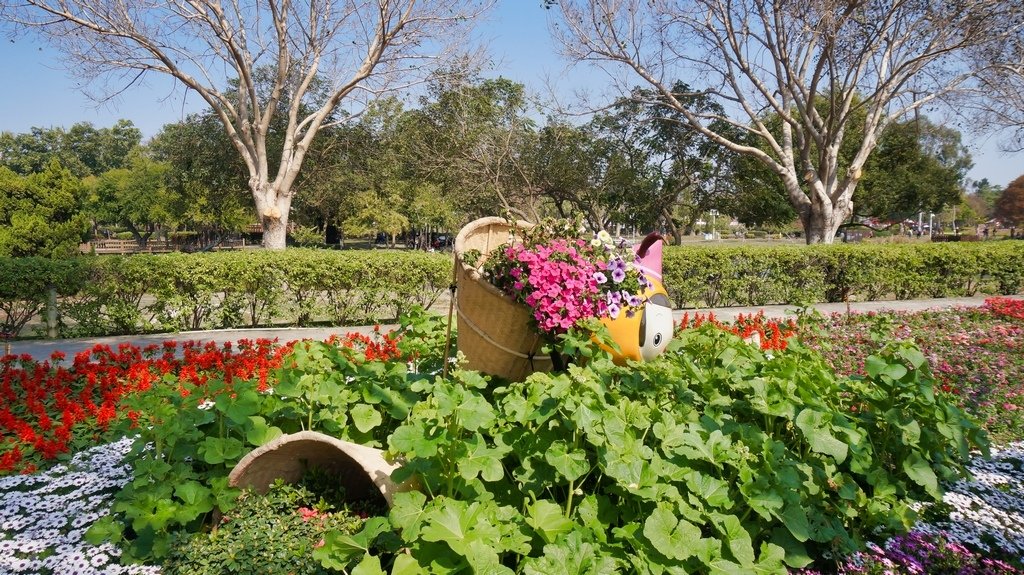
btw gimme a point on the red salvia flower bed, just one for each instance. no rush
(771, 333)
(45, 407)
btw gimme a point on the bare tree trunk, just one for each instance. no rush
(820, 225)
(822, 216)
(275, 232)
(274, 208)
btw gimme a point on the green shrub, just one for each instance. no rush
(140, 293)
(111, 298)
(272, 534)
(25, 284)
(698, 276)
(112, 295)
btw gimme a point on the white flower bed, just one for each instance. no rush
(988, 512)
(43, 517)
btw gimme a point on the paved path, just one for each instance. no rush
(41, 349)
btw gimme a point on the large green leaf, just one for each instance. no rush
(918, 469)
(365, 417)
(339, 549)
(570, 464)
(369, 565)
(571, 556)
(474, 412)
(407, 511)
(261, 433)
(710, 489)
(240, 407)
(819, 435)
(547, 519)
(673, 538)
(737, 539)
(479, 459)
(215, 450)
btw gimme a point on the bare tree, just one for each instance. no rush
(797, 73)
(357, 47)
(997, 95)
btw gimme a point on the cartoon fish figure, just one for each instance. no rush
(646, 334)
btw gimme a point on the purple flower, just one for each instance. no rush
(613, 310)
(600, 277)
(618, 274)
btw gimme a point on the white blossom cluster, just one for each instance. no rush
(43, 517)
(987, 512)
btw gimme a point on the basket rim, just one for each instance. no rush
(471, 272)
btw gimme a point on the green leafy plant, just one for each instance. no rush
(273, 534)
(335, 390)
(188, 441)
(715, 457)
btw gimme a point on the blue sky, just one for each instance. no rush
(38, 92)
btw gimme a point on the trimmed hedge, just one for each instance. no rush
(110, 295)
(179, 292)
(763, 275)
(25, 284)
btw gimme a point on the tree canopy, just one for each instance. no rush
(919, 166)
(1010, 205)
(83, 149)
(40, 214)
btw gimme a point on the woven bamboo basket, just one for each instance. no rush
(495, 333)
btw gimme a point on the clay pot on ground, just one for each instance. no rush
(362, 471)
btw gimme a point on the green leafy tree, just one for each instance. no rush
(467, 137)
(83, 149)
(40, 214)
(760, 197)
(577, 171)
(918, 166)
(136, 197)
(359, 168)
(983, 197)
(1010, 206)
(695, 174)
(205, 177)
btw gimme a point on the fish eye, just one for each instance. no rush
(657, 339)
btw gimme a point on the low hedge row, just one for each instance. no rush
(174, 292)
(764, 275)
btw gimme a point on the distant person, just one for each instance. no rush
(984, 233)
